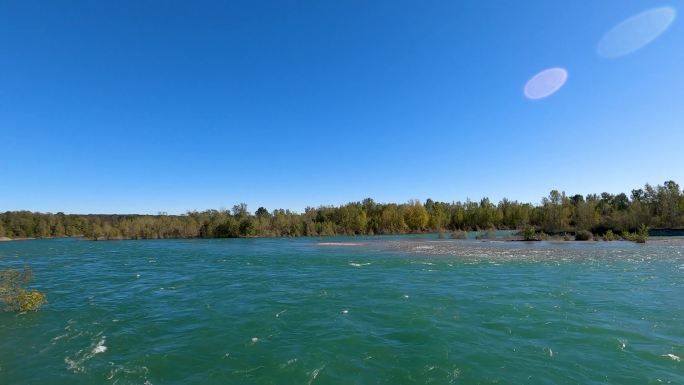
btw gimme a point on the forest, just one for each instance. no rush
(660, 206)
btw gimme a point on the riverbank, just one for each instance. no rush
(7, 239)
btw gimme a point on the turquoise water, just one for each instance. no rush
(386, 310)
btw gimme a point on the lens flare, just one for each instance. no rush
(545, 83)
(635, 32)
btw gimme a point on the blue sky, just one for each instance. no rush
(122, 107)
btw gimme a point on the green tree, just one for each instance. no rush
(415, 216)
(247, 227)
(437, 215)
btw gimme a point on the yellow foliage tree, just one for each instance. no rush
(13, 296)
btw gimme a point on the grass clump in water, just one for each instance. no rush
(459, 234)
(13, 295)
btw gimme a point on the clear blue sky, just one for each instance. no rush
(139, 106)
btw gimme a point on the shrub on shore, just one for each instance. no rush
(13, 295)
(638, 236)
(609, 236)
(583, 235)
(529, 234)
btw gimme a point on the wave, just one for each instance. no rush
(77, 361)
(358, 264)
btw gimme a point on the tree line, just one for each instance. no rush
(660, 206)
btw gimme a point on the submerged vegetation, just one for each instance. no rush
(660, 206)
(488, 234)
(13, 295)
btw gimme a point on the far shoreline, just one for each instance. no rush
(8, 239)
(354, 242)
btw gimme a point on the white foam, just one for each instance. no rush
(623, 343)
(356, 264)
(83, 355)
(59, 337)
(672, 357)
(315, 374)
(125, 371)
(73, 365)
(289, 362)
(100, 347)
